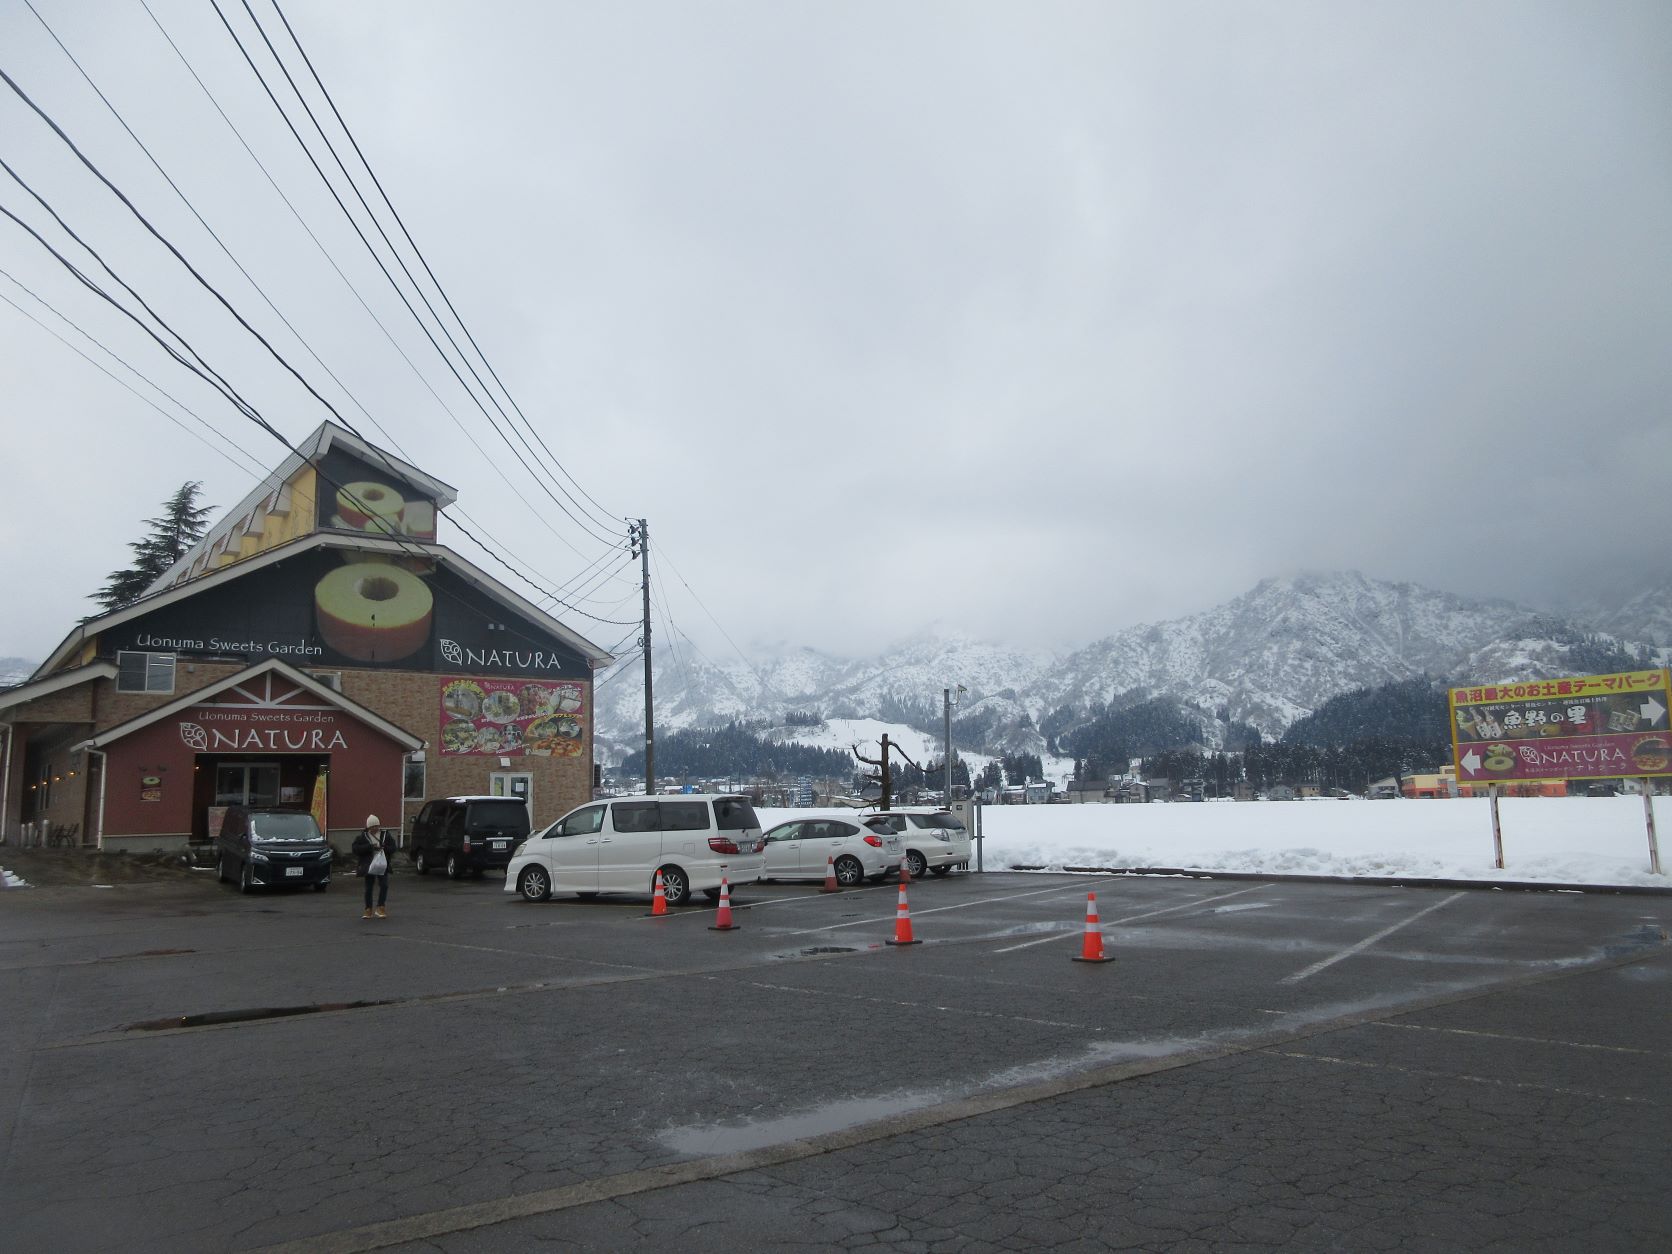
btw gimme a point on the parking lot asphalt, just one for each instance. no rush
(1264, 1065)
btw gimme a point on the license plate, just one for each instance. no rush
(293, 870)
(501, 844)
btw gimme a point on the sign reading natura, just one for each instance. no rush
(1590, 727)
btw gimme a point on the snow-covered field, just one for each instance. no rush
(1549, 840)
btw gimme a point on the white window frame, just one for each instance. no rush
(154, 671)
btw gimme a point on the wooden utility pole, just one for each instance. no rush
(640, 536)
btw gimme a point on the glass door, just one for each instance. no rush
(253, 784)
(519, 784)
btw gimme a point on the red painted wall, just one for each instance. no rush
(365, 765)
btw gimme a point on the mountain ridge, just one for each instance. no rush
(1265, 659)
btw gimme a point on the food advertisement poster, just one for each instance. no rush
(1591, 727)
(536, 718)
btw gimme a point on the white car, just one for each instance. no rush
(618, 846)
(803, 849)
(934, 839)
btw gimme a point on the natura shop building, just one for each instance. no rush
(319, 649)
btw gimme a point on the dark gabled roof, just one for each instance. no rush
(444, 556)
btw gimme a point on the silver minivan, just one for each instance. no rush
(618, 846)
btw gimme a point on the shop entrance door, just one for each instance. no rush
(519, 784)
(253, 784)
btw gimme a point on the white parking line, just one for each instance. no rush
(1368, 941)
(1131, 918)
(889, 918)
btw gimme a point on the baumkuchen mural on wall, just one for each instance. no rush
(355, 495)
(344, 607)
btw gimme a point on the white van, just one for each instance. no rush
(618, 846)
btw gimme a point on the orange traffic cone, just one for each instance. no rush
(830, 884)
(1091, 949)
(722, 916)
(902, 917)
(658, 899)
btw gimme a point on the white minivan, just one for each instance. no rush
(617, 846)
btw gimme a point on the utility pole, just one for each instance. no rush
(640, 536)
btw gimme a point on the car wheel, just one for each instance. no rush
(915, 864)
(676, 888)
(322, 886)
(455, 867)
(421, 862)
(941, 870)
(220, 869)
(849, 871)
(246, 879)
(534, 884)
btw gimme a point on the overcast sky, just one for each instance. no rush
(1029, 320)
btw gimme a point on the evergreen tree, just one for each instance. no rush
(181, 525)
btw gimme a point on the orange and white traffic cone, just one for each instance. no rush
(658, 899)
(722, 916)
(830, 884)
(902, 918)
(1091, 949)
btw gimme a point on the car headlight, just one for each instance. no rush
(257, 856)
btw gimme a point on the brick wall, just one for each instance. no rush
(412, 700)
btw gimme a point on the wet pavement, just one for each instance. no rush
(1264, 1065)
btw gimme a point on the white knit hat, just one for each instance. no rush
(371, 821)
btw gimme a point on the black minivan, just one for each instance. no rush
(271, 848)
(468, 834)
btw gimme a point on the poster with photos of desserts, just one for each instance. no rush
(513, 717)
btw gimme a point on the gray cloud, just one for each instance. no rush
(1041, 319)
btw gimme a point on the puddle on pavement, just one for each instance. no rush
(700, 1140)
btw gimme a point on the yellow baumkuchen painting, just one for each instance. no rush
(370, 507)
(373, 611)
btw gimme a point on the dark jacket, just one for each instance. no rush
(366, 845)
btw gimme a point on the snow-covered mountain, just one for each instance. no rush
(1265, 658)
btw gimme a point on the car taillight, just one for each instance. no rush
(722, 844)
(874, 841)
(467, 844)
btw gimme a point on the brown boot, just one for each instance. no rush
(382, 913)
(368, 913)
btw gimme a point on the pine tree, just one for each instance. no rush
(180, 525)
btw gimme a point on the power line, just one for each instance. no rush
(394, 253)
(417, 252)
(370, 312)
(259, 290)
(245, 466)
(213, 377)
(218, 380)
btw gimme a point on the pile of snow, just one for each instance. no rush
(1547, 840)
(8, 880)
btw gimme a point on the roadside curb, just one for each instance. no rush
(1378, 881)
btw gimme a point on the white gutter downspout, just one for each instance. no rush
(104, 772)
(6, 785)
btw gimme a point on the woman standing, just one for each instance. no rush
(375, 850)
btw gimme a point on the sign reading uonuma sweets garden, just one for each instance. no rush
(1591, 727)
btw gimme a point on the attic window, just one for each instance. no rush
(144, 672)
(331, 679)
